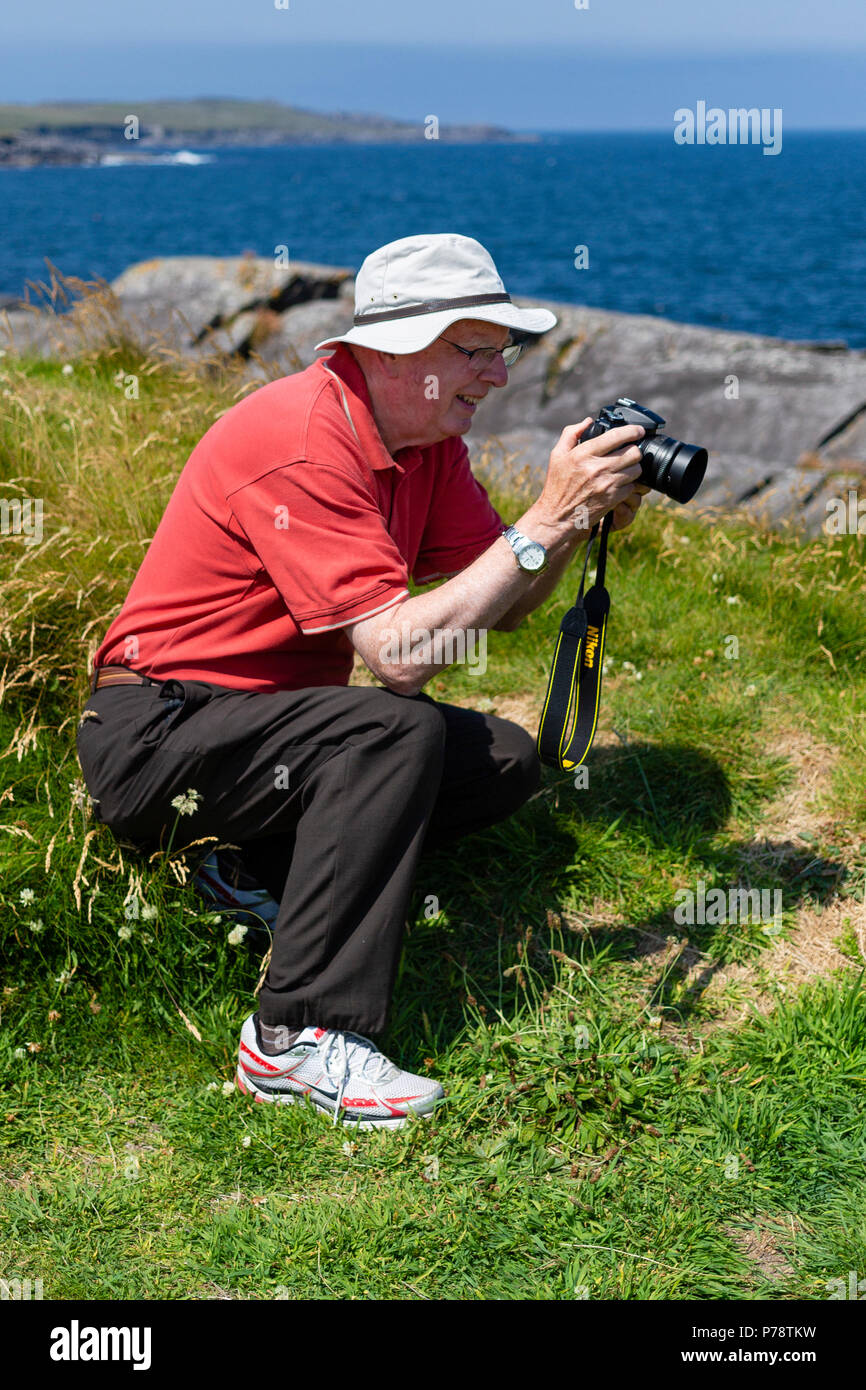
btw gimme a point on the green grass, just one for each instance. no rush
(619, 1125)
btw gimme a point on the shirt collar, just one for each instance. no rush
(360, 410)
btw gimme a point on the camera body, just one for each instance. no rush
(669, 466)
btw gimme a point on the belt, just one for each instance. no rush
(118, 675)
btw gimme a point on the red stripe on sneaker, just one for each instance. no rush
(261, 1061)
(365, 1103)
(405, 1099)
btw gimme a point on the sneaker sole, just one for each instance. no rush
(214, 893)
(243, 1083)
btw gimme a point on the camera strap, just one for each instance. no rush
(574, 688)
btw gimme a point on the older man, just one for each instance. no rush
(286, 548)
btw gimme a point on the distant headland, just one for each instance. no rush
(97, 132)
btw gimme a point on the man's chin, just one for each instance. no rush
(462, 426)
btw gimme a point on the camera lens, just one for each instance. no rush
(673, 468)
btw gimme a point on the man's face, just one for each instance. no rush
(440, 387)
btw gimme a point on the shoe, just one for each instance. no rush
(341, 1074)
(222, 879)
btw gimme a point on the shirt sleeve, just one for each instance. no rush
(322, 541)
(462, 522)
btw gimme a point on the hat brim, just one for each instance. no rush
(419, 331)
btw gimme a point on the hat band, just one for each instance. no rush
(432, 306)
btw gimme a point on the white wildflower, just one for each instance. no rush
(20, 1053)
(146, 938)
(717, 578)
(246, 1141)
(187, 805)
(212, 1086)
(36, 924)
(124, 933)
(67, 369)
(733, 598)
(148, 912)
(751, 690)
(26, 895)
(236, 935)
(63, 978)
(228, 1088)
(350, 1148)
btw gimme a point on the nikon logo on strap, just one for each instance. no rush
(570, 712)
(591, 647)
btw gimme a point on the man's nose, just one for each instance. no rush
(496, 373)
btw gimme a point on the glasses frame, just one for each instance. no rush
(509, 353)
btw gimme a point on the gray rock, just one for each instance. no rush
(760, 406)
(790, 395)
(38, 333)
(290, 344)
(180, 300)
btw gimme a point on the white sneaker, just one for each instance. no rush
(340, 1073)
(221, 879)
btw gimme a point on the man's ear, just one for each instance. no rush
(388, 363)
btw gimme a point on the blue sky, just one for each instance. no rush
(532, 64)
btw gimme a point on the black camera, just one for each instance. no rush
(669, 466)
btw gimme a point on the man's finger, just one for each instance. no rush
(618, 439)
(570, 436)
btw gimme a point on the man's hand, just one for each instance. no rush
(589, 479)
(625, 513)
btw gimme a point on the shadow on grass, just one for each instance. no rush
(659, 809)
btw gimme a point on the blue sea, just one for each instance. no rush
(725, 236)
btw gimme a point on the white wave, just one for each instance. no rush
(179, 157)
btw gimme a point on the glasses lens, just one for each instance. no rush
(486, 356)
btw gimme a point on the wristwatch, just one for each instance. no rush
(530, 555)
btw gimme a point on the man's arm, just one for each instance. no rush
(398, 644)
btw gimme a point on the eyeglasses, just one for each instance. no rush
(484, 357)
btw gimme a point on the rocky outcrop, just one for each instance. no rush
(28, 149)
(199, 306)
(784, 422)
(202, 304)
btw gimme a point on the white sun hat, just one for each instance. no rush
(408, 292)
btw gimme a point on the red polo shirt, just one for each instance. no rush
(289, 520)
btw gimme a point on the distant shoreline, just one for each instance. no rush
(79, 133)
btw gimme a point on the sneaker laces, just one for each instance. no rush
(342, 1050)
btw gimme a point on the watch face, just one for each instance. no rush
(532, 556)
